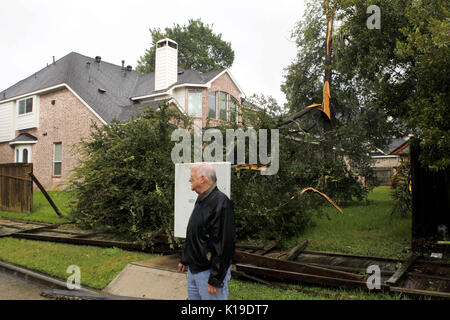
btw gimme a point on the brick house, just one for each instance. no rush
(44, 115)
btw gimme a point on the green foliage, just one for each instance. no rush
(125, 180)
(271, 206)
(402, 69)
(401, 192)
(426, 44)
(198, 48)
(358, 127)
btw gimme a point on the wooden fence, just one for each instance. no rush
(430, 200)
(16, 187)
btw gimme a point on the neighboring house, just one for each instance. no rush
(387, 160)
(44, 115)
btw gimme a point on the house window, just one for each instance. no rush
(57, 159)
(22, 154)
(26, 106)
(233, 110)
(223, 103)
(195, 103)
(212, 101)
(25, 155)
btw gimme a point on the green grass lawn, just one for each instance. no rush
(99, 266)
(248, 290)
(42, 210)
(362, 229)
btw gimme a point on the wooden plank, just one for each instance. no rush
(42, 228)
(352, 269)
(302, 277)
(269, 247)
(249, 246)
(240, 274)
(13, 177)
(439, 294)
(345, 255)
(293, 254)
(427, 276)
(45, 193)
(160, 248)
(392, 281)
(257, 260)
(16, 191)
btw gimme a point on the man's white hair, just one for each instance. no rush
(206, 170)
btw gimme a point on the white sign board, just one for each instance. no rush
(185, 197)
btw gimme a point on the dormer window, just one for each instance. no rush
(25, 106)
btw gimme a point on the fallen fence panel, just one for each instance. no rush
(303, 277)
(401, 272)
(91, 242)
(417, 292)
(266, 262)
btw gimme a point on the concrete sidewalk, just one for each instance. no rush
(156, 278)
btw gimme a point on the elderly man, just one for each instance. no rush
(210, 238)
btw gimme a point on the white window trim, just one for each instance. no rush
(53, 163)
(25, 114)
(20, 148)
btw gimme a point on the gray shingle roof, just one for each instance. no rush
(86, 77)
(24, 137)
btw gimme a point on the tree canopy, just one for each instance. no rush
(387, 82)
(404, 68)
(199, 48)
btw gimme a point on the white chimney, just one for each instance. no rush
(166, 63)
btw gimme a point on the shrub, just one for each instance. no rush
(401, 192)
(125, 180)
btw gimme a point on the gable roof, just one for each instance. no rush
(107, 88)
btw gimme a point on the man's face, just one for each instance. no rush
(195, 180)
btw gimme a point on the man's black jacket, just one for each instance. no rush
(210, 237)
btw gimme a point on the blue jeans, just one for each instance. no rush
(197, 286)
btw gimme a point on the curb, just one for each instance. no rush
(60, 286)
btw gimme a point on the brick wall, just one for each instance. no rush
(67, 121)
(6, 153)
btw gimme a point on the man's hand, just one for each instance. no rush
(181, 267)
(213, 290)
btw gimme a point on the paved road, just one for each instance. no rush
(15, 288)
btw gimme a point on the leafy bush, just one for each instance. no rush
(401, 189)
(125, 180)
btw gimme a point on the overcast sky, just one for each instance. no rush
(33, 31)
